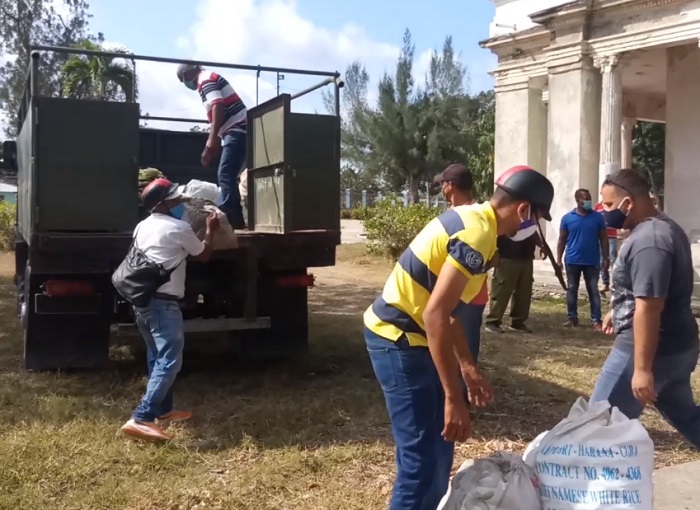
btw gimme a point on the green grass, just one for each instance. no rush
(304, 435)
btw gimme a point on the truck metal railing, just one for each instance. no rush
(32, 89)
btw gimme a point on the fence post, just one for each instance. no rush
(405, 198)
(348, 199)
(364, 198)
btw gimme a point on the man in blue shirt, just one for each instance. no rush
(583, 237)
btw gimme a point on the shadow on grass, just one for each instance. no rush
(330, 398)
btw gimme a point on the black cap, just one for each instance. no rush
(524, 183)
(457, 174)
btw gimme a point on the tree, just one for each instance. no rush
(99, 77)
(38, 22)
(648, 149)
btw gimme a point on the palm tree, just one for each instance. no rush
(101, 78)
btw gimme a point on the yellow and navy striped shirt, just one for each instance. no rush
(464, 236)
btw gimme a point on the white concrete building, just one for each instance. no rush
(574, 77)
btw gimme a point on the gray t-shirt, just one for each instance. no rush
(655, 261)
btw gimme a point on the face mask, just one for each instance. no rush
(587, 205)
(527, 229)
(615, 218)
(191, 84)
(178, 211)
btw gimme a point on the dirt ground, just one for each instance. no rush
(302, 435)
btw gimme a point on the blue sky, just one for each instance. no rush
(313, 34)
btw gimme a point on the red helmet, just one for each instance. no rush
(157, 191)
(527, 184)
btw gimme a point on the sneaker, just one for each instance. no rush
(520, 327)
(571, 323)
(598, 327)
(147, 431)
(493, 328)
(175, 416)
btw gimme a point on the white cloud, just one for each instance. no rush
(259, 32)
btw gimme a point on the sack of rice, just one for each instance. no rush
(196, 212)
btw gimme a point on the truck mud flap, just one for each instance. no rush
(67, 305)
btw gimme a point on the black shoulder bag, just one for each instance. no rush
(138, 278)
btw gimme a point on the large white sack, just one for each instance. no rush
(202, 189)
(499, 482)
(196, 212)
(594, 459)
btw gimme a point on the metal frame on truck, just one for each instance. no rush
(78, 166)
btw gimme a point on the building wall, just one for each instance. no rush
(9, 198)
(682, 134)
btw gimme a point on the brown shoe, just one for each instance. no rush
(598, 327)
(175, 416)
(571, 323)
(147, 431)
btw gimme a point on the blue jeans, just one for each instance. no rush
(416, 405)
(590, 278)
(672, 383)
(605, 275)
(471, 317)
(161, 326)
(233, 153)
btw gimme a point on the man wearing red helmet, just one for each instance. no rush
(166, 240)
(418, 352)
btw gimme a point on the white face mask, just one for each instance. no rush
(528, 227)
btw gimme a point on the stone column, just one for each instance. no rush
(610, 117)
(627, 129)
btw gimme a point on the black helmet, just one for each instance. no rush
(527, 184)
(183, 69)
(157, 191)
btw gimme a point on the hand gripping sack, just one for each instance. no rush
(594, 459)
(499, 482)
(196, 212)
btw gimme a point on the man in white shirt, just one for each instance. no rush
(167, 240)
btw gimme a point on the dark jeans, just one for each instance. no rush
(471, 316)
(513, 277)
(161, 326)
(416, 405)
(590, 278)
(233, 155)
(672, 383)
(605, 275)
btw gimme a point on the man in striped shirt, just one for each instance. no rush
(227, 118)
(416, 348)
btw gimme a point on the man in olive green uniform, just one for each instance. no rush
(512, 278)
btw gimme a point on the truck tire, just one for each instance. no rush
(59, 341)
(288, 336)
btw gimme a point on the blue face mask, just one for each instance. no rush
(191, 84)
(178, 211)
(587, 205)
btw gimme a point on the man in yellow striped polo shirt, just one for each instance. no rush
(418, 351)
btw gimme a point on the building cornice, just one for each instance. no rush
(647, 38)
(518, 44)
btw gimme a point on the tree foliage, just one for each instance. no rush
(97, 77)
(648, 149)
(414, 131)
(24, 23)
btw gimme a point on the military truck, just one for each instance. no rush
(77, 167)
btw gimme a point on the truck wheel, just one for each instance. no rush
(61, 340)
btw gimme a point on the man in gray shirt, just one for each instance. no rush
(656, 336)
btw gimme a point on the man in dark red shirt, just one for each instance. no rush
(612, 245)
